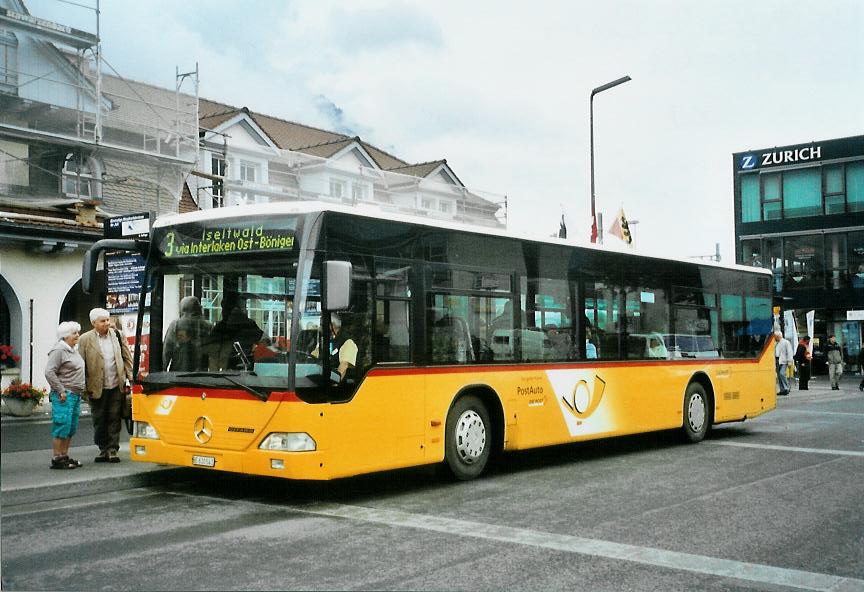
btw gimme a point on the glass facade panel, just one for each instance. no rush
(835, 259)
(833, 179)
(772, 210)
(750, 199)
(771, 187)
(802, 193)
(774, 259)
(805, 258)
(855, 187)
(752, 250)
(855, 243)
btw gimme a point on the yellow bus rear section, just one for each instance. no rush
(397, 417)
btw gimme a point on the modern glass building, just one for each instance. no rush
(799, 211)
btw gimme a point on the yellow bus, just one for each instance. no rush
(313, 341)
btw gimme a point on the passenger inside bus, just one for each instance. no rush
(235, 327)
(185, 338)
(656, 349)
(451, 339)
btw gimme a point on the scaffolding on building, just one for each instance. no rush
(109, 133)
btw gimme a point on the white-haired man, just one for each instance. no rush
(784, 358)
(108, 373)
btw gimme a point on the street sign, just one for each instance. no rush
(125, 271)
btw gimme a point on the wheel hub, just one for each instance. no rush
(696, 412)
(470, 436)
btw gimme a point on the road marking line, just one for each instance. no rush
(66, 504)
(851, 413)
(701, 564)
(791, 448)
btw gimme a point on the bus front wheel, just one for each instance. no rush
(468, 440)
(697, 413)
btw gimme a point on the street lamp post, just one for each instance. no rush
(597, 90)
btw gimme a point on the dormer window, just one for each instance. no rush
(81, 177)
(337, 188)
(248, 172)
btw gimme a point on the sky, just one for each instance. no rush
(501, 90)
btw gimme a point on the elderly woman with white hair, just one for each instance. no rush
(65, 375)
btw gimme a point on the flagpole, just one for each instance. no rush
(599, 89)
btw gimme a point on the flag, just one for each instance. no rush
(594, 229)
(562, 231)
(621, 229)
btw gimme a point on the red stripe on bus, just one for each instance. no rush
(554, 366)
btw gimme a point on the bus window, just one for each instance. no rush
(603, 314)
(392, 335)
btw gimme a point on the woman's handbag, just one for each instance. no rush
(127, 413)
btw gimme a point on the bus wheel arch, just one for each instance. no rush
(474, 431)
(698, 407)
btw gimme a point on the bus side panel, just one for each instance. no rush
(381, 428)
(746, 389)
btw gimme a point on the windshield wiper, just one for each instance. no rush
(258, 394)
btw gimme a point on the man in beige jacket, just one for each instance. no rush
(108, 369)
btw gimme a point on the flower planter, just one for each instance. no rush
(19, 407)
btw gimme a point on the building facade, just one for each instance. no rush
(799, 211)
(75, 149)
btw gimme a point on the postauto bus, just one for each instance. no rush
(312, 341)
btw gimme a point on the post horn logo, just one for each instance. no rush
(202, 429)
(581, 401)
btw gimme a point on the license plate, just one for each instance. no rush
(204, 461)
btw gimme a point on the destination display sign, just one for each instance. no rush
(233, 238)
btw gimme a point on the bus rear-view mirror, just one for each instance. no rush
(338, 275)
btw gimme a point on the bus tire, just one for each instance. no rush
(697, 412)
(468, 439)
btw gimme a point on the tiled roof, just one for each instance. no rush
(290, 135)
(418, 170)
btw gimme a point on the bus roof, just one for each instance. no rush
(312, 207)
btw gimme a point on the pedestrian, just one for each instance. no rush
(65, 374)
(108, 376)
(803, 357)
(783, 357)
(835, 362)
(861, 368)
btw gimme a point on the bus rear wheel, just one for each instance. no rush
(468, 440)
(697, 413)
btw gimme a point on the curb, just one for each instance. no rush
(29, 495)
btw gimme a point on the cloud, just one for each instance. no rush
(501, 90)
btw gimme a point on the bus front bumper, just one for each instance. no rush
(309, 465)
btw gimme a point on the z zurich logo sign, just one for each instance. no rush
(202, 429)
(748, 161)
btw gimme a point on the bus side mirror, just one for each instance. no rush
(91, 257)
(338, 274)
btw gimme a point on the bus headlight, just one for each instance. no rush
(290, 441)
(145, 430)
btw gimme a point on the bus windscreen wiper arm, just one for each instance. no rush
(261, 396)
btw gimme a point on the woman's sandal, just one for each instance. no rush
(64, 462)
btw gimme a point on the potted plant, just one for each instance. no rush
(8, 358)
(22, 397)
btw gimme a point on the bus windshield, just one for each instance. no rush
(221, 304)
(213, 319)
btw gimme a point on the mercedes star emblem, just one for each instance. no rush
(203, 429)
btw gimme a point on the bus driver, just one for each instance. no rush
(343, 349)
